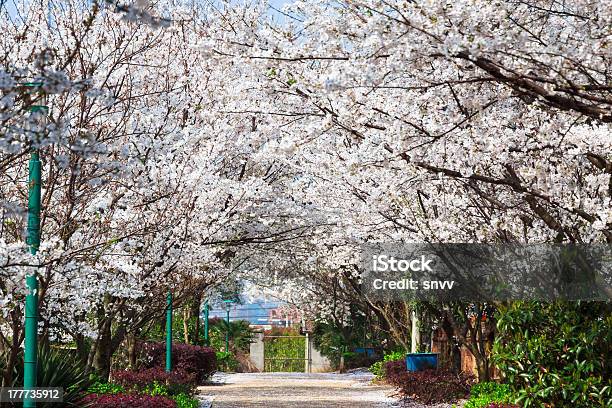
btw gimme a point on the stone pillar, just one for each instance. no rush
(256, 352)
(415, 335)
(307, 355)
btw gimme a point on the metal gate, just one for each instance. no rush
(286, 353)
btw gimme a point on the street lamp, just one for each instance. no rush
(169, 332)
(30, 366)
(228, 305)
(206, 312)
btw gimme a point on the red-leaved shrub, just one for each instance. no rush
(144, 377)
(393, 368)
(429, 386)
(201, 361)
(127, 401)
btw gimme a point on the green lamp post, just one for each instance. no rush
(30, 366)
(228, 304)
(227, 331)
(206, 313)
(169, 332)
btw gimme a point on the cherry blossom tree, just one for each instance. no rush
(195, 143)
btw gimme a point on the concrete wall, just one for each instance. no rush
(256, 352)
(319, 363)
(315, 361)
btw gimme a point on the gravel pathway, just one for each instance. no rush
(293, 390)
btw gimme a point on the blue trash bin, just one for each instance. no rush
(421, 361)
(368, 351)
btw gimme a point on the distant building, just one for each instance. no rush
(261, 314)
(285, 316)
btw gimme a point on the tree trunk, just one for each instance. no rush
(186, 317)
(131, 349)
(482, 365)
(455, 357)
(195, 311)
(81, 345)
(14, 349)
(103, 352)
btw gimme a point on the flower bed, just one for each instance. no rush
(127, 401)
(152, 386)
(177, 381)
(196, 360)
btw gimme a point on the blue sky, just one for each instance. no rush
(11, 4)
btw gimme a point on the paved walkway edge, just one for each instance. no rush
(206, 401)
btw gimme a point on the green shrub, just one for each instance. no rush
(185, 401)
(378, 368)
(155, 389)
(395, 356)
(357, 360)
(349, 355)
(556, 353)
(60, 368)
(492, 389)
(240, 335)
(105, 388)
(226, 361)
(483, 394)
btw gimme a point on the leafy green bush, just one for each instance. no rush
(185, 401)
(357, 360)
(60, 368)
(241, 334)
(378, 368)
(226, 361)
(155, 389)
(556, 353)
(105, 388)
(333, 339)
(483, 394)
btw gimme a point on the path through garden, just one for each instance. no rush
(286, 390)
